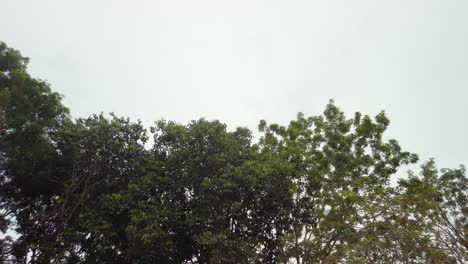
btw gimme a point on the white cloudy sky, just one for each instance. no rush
(245, 60)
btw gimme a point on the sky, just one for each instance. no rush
(245, 60)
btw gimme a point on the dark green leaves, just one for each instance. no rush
(316, 190)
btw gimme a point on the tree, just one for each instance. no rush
(30, 115)
(324, 172)
(100, 157)
(190, 203)
(439, 201)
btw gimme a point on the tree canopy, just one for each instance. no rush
(317, 190)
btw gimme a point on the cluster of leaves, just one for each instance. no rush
(315, 191)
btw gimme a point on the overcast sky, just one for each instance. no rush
(245, 60)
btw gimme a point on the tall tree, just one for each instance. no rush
(324, 171)
(30, 115)
(100, 158)
(438, 200)
(195, 187)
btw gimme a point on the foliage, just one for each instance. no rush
(318, 190)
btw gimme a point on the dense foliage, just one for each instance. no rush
(315, 191)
